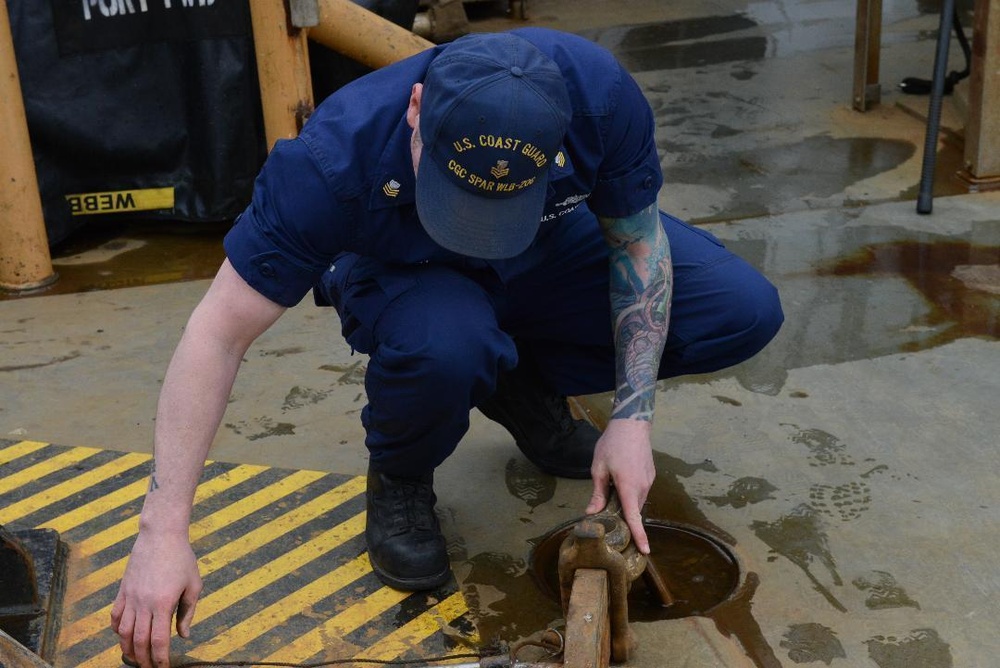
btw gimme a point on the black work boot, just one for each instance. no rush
(539, 420)
(405, 545)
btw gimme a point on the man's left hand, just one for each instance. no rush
(624, 457)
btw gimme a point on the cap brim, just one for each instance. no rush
(478, 226)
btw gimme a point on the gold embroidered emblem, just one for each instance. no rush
(560, 159)
(391, 189)
(500, 169)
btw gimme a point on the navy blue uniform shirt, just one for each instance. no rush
(346, 184)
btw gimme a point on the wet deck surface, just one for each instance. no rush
(850, 466)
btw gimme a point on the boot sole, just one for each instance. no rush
(410, 584)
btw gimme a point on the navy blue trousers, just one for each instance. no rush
(438, 335)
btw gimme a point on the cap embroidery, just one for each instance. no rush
(494, 112)
(500, 170)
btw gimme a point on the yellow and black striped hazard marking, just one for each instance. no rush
(281, 552)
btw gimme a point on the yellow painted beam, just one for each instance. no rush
(282, 53)
(364, 36)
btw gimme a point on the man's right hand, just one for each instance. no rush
(161, 579)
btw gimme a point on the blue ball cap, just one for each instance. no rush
(493, 113)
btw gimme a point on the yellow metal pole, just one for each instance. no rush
(363, 35)
(283, 69)
(25, 262)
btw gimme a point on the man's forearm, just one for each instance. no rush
(641, 287)
(193, 399)
(196, 391)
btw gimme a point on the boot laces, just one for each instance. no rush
(412, 506)
(556, 404)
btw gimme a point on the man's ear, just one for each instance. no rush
(413, 110)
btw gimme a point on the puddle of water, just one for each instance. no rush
(504, 599)
(773, 29)
(107, 257)
(764, 179)
(867, 294)
(962, 308)
(671, 44)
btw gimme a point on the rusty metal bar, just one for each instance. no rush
(283, 69)
(602, 542)
(25, 262)
(19, 601)
(982, 130)
(364, 36)
(15, 655)
(867, 46)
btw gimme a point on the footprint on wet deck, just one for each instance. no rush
(744, 491)
(921, 647)
(825, 449)
(844, 502)
(262, 427)
(528, 484)
(883, 591)
(812, 643)
(300, 397)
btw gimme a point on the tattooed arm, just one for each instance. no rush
(641, 283)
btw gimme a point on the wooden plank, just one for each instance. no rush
(867, 49)
(982, 130)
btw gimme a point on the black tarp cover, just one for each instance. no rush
(139, 108)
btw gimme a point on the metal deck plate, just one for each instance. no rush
(281, 552)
